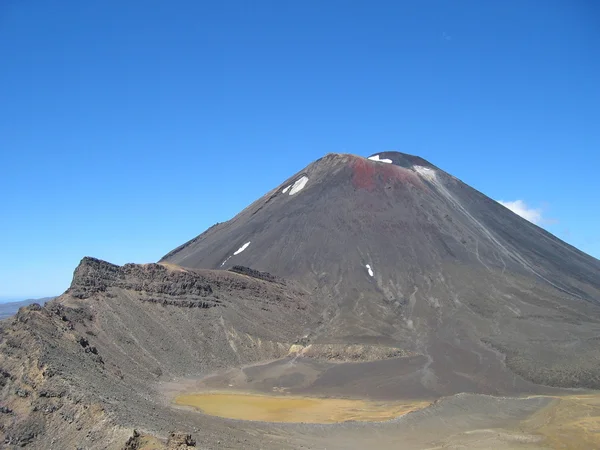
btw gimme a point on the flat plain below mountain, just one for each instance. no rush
(365, 302)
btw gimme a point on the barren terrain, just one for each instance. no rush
(385, 294)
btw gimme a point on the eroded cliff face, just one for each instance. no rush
(84, 368)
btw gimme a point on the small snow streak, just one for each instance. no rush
(299, 185)
(425, 172)
(237, 252)
(287, 188)
(223, 263)
(369, 269)
(242, 248)
(376, 158)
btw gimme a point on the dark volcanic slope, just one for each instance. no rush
(456, 276)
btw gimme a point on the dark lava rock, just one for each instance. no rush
(94, 276)
(22, 393)
(254, 273)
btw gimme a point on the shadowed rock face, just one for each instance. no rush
(456, 276)
(385, 279)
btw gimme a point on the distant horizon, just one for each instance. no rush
(9, 299)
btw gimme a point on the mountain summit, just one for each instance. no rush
(343, 212)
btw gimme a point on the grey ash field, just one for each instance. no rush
(383, 279)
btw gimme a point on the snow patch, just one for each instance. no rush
(242, 248)
(425, 172)
(369, 270)
(299, 185)
(227, 259)
(237, 252)
(376, 158)
(287, 188)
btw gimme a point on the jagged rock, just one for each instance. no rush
(255, 273)
(180, 441)
(94, 276)
(4, 377)
(22, 393)
(134, 442)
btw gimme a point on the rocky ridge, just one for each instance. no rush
(83, 369)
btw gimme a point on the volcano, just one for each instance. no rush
(383, 279)
(403, 254)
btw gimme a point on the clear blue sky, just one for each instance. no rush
(127, 128)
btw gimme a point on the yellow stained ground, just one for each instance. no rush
(274, 408)
(569, 422)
